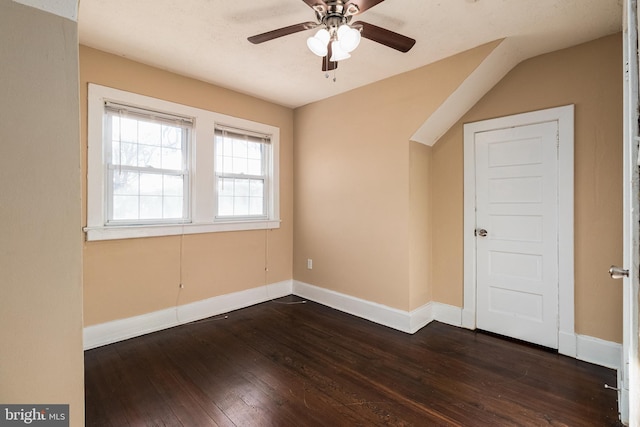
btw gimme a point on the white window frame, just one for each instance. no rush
(185, 123)
(266, 176)
(203, 197)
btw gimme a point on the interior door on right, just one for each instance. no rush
(517, 232)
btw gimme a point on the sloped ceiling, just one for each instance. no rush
(479, 81)
(207, 39)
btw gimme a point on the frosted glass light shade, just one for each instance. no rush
(338, 54)
(349, 38)
(318, 43)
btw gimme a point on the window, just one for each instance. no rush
(241, 160)
(159, 168)
(147, 166)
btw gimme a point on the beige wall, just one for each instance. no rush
(353, 209)
(589, 76)
(382, 218)
(125, 278)
(41, 359)
(420, 227)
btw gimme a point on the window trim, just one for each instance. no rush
(202, 192)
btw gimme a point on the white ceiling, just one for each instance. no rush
(207, 39)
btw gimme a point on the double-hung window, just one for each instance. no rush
(241, 173)
(147, 157)
(158, 168)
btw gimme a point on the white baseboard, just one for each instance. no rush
(377, 313)
(409, 322)
(599, 352)
(567, 344)
(581, 347)
(118, 330)
(449, 314)
(421, 317)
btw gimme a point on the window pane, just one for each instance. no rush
(171, 137)
(172, 158)
(225, 187)
(227, 147)
(218, 157)
(145, 143)
(128, 130)
(254, 167)
(241, 206)
(150, 184)
(241, 188)
(127, 154)
(173, 186)
(227, 164)
(125, 207)
(115, 152)
(239, 165)
(150, 207)
(256, 206)
(256, 188)
(149, 156)
(173, 207)
(149, 133)
(115, 127)
(125, 182)
(240, 197)
(240, 148)
(225, 206)
(254, 150)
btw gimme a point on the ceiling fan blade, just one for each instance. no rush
(383, 36)
(328, 65)
(361, 4)
(285, 31)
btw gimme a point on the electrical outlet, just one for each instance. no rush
(309, 264)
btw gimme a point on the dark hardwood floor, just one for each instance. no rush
(284, 364)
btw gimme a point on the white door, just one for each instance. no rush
(629, 375)
(517, 232)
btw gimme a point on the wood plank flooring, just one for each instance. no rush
(287, 363)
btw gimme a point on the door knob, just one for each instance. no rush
(481, 232)
(618, 272)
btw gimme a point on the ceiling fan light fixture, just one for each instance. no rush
(318, 43)
(349, 38)
(337, 36)
(338, 53)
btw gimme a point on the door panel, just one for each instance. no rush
(517, 203)
(522, 228)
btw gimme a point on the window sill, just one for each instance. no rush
(138, 231)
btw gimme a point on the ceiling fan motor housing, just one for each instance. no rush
(333, 14)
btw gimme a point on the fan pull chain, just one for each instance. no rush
(326, 75)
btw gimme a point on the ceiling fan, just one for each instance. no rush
(337, 36)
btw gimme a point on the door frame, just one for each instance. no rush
(564, 116)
